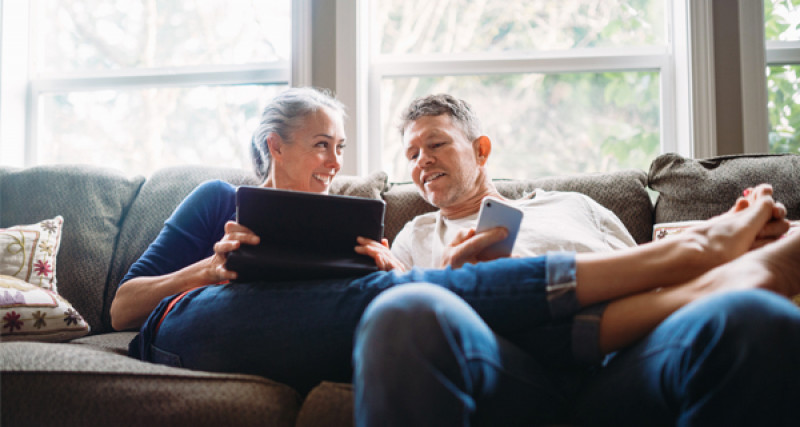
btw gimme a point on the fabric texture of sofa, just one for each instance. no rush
(109, 219)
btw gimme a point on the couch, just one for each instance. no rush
(110, 218)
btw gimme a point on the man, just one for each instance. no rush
(423, 357)
(448, 156)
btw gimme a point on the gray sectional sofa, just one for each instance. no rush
(109, 219)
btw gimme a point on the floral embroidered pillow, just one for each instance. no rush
(31, 313)
(28, 252)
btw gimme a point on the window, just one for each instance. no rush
(782, 33)
(561, 86)
(139, 85)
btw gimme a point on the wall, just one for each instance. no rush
(323, 73)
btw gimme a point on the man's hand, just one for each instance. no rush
(381, 253)
(467, 247)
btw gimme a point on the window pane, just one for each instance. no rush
(457, 26)
(542, 124)
(79, 35)
(783, 90)
(782, 18)
(140, 131)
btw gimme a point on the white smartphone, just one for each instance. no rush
(497, 213)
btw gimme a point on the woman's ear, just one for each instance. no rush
(274, 144)
(483, 148)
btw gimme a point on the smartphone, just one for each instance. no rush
(497, 213)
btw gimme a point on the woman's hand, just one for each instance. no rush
(137, 297)
(381, 253)
(235, 235)
(467, 246)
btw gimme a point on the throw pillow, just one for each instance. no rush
(28, 252)
(370, 186)
(699, 189)
(31, 313)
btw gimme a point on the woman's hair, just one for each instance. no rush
(459, 111)
(284, 115)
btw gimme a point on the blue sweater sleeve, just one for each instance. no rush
(189, 234)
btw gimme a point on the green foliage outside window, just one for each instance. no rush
(540, 124)
(782, 23)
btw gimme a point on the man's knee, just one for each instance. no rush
(403, 313)
(421, 323)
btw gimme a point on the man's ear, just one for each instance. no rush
(483, 148)
(274, 144)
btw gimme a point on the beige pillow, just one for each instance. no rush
(31, 313)
(28, 252)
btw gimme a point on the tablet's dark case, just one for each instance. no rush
(304, 236)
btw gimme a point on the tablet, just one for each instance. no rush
(304, 235)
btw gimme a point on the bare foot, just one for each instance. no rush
(775, 267)
(727, 236)
(774, 228)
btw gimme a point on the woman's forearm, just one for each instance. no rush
(137, 297)
(608, 276)
(628, 320)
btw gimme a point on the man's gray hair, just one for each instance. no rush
(284, 115)
(459, 111)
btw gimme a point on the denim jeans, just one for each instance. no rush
(423, 357)
(728, 360)
(301, 333)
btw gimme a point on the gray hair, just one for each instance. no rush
(284, 115)
(459, 111)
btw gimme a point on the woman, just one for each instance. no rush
(301, 333)
(298, 146)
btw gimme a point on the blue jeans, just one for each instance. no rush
(301, 333)
(730, 359)
(424, 357)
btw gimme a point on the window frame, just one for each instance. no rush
(753, 62)
(685, 67)
(690, 74)
(19, 110)
(783, 52)
(776, 53)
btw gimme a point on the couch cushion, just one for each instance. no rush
(403, 203)
(624, 193)
(4, 170)
(96, 385)
(699, 189)
(370, 186)
(328, 404)
(92, 202)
